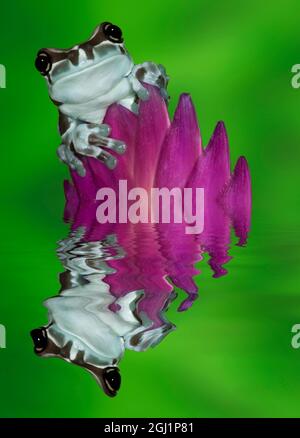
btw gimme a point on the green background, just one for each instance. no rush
(231, 354)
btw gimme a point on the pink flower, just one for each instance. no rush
(168, 154)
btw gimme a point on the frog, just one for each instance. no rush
(84, 81)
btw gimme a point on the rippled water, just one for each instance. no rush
(118, 282)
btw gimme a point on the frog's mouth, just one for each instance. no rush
(66, 68)
(91, 80)
(72, 348)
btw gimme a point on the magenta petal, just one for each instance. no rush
(85, 185)
(84, 217)
(86, 189)
(72, 201)
(217, 161)
(160, 155)
(188, 302)
(142, 267)
(237, 200)
(126, 276)
(215, 239)
(212, 170)
(181, 251)
(123, 125)
(181, 147)
(153, 123)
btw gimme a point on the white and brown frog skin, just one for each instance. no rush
(84, 81)
(83, 328)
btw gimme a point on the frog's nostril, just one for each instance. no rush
(43, 63)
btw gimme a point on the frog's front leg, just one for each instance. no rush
(149, 73)
(67, 156)
(91, 140)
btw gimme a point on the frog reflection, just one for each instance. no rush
(90, 327)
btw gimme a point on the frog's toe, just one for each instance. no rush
(62, 154)
(73, 162)
(143, 93)
(78, 167)
(109, 160)
(80, 170)
(116, 145)
(102, 130)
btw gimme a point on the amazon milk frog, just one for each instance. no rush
(84, 81)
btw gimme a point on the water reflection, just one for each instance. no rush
(88, 324)
(120, 279)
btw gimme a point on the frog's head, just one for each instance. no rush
(87, 70)
(78, 333)
(48, 344)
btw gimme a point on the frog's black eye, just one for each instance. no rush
(112, 380)
(112, 32)
(40, 339)
(43, 63)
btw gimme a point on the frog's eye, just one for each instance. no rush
(43, 63)
(112, 33)
(40, 339)
(112, 380)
